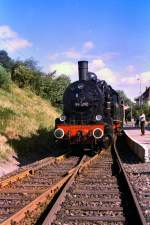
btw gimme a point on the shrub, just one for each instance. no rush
(59, 85)
(22, 76)
(53, 88)
(5, 78)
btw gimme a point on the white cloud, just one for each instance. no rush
(88, 45)
(130, 69)
(128, 83)
(72, 53)
(110, 55)
(82, 53)
(145, 77)
(10, 40)
(103, 72)
(67, 68)
(96, 64)
(53, 56)
(130, 80)
(108, 75)
(6, 32)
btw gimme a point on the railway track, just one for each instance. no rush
(26, 190)
(140, 183)
(98, 195)
(138, 177)
(73, 191)
(93, 196)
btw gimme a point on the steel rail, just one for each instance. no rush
(48, 194)
(16, 218)
(29, 171)
(56, 207)
(8, 181)
(135, 200)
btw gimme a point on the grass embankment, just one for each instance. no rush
(25, 123)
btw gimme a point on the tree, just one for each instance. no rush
(52, 88)
(5, 78)
(127, 102)
(59, 86)
(31, 64)
(27, 73)
(24, 76)
(5, 60)
(125, 99)
(137, 110)
(46, 87)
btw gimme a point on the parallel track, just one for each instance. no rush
(139, 210)
(95, 195)
(89, 191)
(22, 191)
(138, 179)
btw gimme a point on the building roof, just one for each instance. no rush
(145, 95)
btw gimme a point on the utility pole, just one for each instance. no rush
(140, 98)
(124, 116)
(131, 112)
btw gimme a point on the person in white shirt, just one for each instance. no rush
(142, 123)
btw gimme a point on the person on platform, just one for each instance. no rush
(142, 123)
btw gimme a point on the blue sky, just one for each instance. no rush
(113, 35)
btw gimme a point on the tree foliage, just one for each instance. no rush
(5, 60)
(5, 79)
(31, 64)
(27, 73)
(125, 99)
(53, 88)
(137, 110)
(23, 76)
(59, 85)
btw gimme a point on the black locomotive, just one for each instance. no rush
(92, 112)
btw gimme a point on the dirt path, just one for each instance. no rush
(8, 159)
(8, 166)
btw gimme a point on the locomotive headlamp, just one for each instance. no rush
(59, 133)
(98, 117)
(97, 133)
(62, 118)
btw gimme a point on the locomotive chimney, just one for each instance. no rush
(83, 70)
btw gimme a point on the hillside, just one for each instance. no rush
(25, 124)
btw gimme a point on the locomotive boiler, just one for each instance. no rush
(92, 112)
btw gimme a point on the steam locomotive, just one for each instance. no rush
(92, 112)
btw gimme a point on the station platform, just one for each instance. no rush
(139, 144)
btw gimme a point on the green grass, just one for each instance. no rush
(6, 114)
(25, 118)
